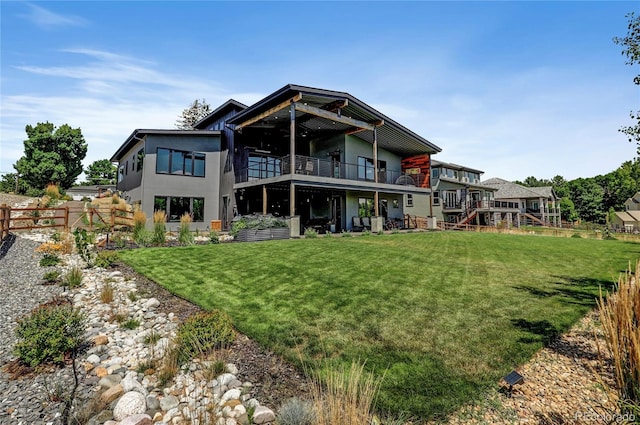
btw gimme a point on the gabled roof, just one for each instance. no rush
(436, 163)
(467, 184)
(626, 216)
(221, 110)
(391, 135)
(510, 190)
(635, 198)
(138, 134)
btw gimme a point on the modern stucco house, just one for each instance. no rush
(318, 156)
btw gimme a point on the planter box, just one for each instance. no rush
(254, 235)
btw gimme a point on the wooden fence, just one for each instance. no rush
(14, 219)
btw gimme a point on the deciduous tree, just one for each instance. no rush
(100, 172)
(631, 49)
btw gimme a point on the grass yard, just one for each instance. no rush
(441, 315)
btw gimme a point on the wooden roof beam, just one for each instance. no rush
(269, 111)
(337, 117)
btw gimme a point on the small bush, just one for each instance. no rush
(366, 233)
(115, 199)
(52, 276)
(159, 228)
(130, 324)
(214, 237)
(328, 235)
(185, 237)
(576, 235)
(48, 333)
(133, 297)
(346, 234)
(73, 278)
(214, 369)
(83, 242)
(49, 260)
(105, 259)
(202, 333)
(296, 412)
(310, 233)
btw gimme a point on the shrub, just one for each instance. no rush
(185, 237)
(296, 412)
(73, 278)
(257, 222)
(346, 234)
(151, 338)
(366, 233)
(49, 260)
(51, 276)
(130, 324)
(202, 333)
(214, 237)
(620, 318)
(310, 233)
(576, 235)
(159, 228)
(83, 245)
(52, 191)
(105, 259)
(48, 333)
(115, 199)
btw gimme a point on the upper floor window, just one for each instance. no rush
(435, 173)
(139, 160)
(170, 161)
(365, 168)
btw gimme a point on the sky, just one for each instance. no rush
(515, 89)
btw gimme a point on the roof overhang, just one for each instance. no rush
(139, 134)
(319, 110)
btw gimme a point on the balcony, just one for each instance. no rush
(266, 167)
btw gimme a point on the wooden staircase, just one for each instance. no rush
(533, 218)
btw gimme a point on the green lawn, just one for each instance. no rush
(442, 315)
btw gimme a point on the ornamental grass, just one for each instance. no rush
(620, 318)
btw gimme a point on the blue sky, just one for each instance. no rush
(511, 88)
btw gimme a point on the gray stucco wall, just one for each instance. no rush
(145, 186)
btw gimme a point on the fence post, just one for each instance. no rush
(113, 218)
(91, 219)
(66, 218)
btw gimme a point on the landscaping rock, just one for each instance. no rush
(263, 415)
(132, 403)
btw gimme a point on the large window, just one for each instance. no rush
(365, 168)
(139, 160)
(170, 161)
(176, 206)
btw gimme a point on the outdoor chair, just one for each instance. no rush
(366, 223)
(308, 168)
(356, 224)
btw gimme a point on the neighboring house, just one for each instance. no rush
(633, 203)
(629, 219)
(626, 221)
(321, 157)
(79, 193)
(537, 206)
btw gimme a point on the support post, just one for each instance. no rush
(376, 208)
(292, 163)
(264, 199)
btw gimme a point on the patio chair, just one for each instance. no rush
(356, 224)
(366, 223)
(308, 168)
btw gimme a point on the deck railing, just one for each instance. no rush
(267, 167)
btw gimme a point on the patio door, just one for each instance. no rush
(336, 213)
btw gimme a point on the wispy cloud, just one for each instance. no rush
(46, 19)
(107, 96)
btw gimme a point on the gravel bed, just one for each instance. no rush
(23, 401)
